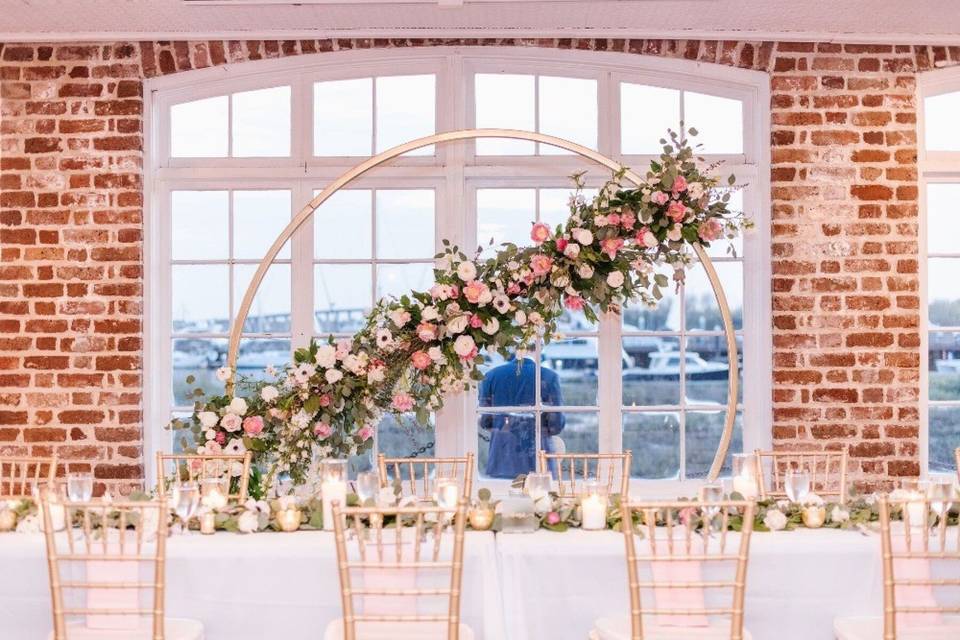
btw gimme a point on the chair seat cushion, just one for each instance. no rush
(173, 628)
(619, 629)
(396, 631)
(864, 628)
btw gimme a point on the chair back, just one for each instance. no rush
(22, 476)
(686, 570)
(417, 475)
(232, 469)
(400, 576)
(827, 470)
(921, 565)
(110, 570)
(572, 469)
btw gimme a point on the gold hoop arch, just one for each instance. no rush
(472, 134)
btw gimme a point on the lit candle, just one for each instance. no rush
(593, 507)
(916, 510)
(208, 523)
(333, 488)
(745, 475)
(213, 496)
(58, 515)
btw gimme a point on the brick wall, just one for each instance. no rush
(844, 234)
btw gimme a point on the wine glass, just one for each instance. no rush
(367, 486)
(80, 486)
(537, 485)
(940, 495)
(797, 484)
(186, 499)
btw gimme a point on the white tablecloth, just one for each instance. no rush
(242, 587)
(556, 584)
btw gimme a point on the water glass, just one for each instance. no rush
(711, 493)
(447, 493)
(186, 499)
(367, 486)
(80, 486)
(797, 484)
(537, 485)
(940, 495)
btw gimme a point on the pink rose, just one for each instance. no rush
(574, 303)
(253, 425)
(325, 400)
(513, 288)
(365, 432)
(402, 402)
(613, 219)
(646, 238)
(474, 291)
(562, 244)
(322, 430)
(553, 518)
(659, 197)
(439, 292)
(427, 332)
(220, 438)
(679, 185)
(539, 233)
(231, 422)
(475, 321)
(709, 230)
(628, 219)
(677, 211)
(610, 246)
(454, 291)
(343, 348)
(421, 360)
(541, 264)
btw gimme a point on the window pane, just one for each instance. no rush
(941, 125)
(645, 115)
(507, 383)
(944, 292)
(702, 433)
(403, 437)
(256, 354)
(341, 296)
(200, 298)
(505, 101)
(568, 109)
(261, 123)
(405, 224)
(707, 371)
(944, 435)
(654, 439)
(270, 312)
(943, 217)
(702, 311)
(343, 117)
(944, 365)
(580, 432)
(199, 129)
(258, 218)
(199, 225)
(405, 111)
(570, 372)
(507, 445)
(504, 215)
(664, 317)
(341, 225)
(199, 358)
(555, 205)
(718, 121)
(398, 279)
(653, 375)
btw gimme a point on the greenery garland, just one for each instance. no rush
(415, 350)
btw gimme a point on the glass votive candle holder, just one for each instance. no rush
(593, 506)
(746, 476)
(208, 523)
(447, 493)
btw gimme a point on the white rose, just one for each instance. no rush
(491, 326)
(208, 419)
(585, 271)
(583, 236)
(400, 317)
(536, 318)
(435, 353)
(333, 375)
(464, 346)
(467, 271)
(839, 515)
(210, 434)
(224, 374)
(375, 375)
(775, 520)
(238, 406)
(649, 240)
(485, 297)
(572, 251)
(695, 190)
(354, 364)
(520, 317)
(429, 313)
(813, 499)
(326, 355)
(269, 393)
(675, 233)
(248, 522)
(231, 422)
(615, 279)
(458, 324)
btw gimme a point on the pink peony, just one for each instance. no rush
(365, 432)
(322, 430)
(540, 233)
(474, 291)
(253, 425)
(611, 246)
(562, 244)
(709, 230)
(574, 303)
(679, 185)
(475, 321)
(427, 332)
(541, 264)
(677, 211)
(553, 518)
(659, 197)
(402, 402)
(421, 360)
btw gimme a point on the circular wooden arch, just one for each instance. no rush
(472, 134)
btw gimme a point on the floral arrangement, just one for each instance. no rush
(414, 350)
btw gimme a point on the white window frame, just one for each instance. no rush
(933, 167)
(454, 167)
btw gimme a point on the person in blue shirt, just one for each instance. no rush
(512, 435)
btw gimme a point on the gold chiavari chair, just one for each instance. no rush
(107, 579)
(827, 469)
(921, 577)
(687, 574)
(186, 467)
(417, 475)
(571, 469)
(20, 476)
(402, 581)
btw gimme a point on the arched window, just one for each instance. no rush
(236, 150)
(939, 161)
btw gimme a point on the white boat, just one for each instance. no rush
(665, 365)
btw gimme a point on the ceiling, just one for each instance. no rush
(890, 21)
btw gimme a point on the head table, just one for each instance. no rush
(515, 586)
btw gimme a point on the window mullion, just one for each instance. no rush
(610, 384)
(301, 271)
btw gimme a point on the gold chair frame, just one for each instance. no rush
(25, 472)
(775, 489)
(80, 549)
(411, 465)
(672, 550)
(377, 518)
(919, 545)
(568, 486)
(185, 459)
